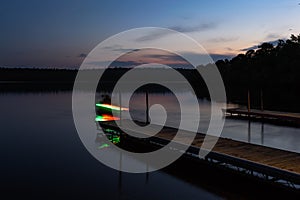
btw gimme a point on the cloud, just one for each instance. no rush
(82, 55)
(272, 36)
(217, 57)
(188, 29)
(166, 58)
(249, 48)
(154, 35)
(229, 49)
(114, 64)
(172, 57)
(203, 59)
(118, 48)
(223, 39)
(273, 42)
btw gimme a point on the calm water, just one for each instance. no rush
(42, 155)
(281, 137)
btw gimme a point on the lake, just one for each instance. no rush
(43, 157)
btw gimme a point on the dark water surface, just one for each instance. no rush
(43, 157)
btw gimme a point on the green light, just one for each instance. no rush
(108, 130)
(111, 107)
(103, 146)
(99, 118)
(104, 118)
(116, 140)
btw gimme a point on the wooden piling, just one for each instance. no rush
(249, 103)
(261, 100)
(147, 108)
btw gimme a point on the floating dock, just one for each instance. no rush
(272, 165)
(264, 115)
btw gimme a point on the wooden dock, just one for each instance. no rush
(264, 162)
(275, 116)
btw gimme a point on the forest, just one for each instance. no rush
(267, 66)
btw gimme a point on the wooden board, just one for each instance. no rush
(280, 159)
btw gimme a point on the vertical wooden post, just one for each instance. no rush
(120, 110)
(147, 108)
(249, 103)
(249, 122)
(249, 131)
(261, 100)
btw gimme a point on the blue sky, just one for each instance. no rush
(55, 33)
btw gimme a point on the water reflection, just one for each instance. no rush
(262, 133)
(281, 137)
(249, 131)
(42, 154)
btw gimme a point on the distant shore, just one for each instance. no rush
(276, 97)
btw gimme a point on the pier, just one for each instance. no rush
(269, 164)
(264, 115)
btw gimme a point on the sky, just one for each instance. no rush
(60, 33)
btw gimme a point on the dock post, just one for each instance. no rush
(249, 101)
(261, 100)
(120, 110)
(147, 108)
(249, 131)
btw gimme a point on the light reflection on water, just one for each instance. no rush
(281, 137)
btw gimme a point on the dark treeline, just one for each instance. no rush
(69, 75)
(37, 75)
(36, 79)
(272, 70)
(29, 79)
(267, 66)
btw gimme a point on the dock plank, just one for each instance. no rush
(280, 159)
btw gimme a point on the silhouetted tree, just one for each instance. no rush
(266, 66)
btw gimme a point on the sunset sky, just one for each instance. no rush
(57, 33)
